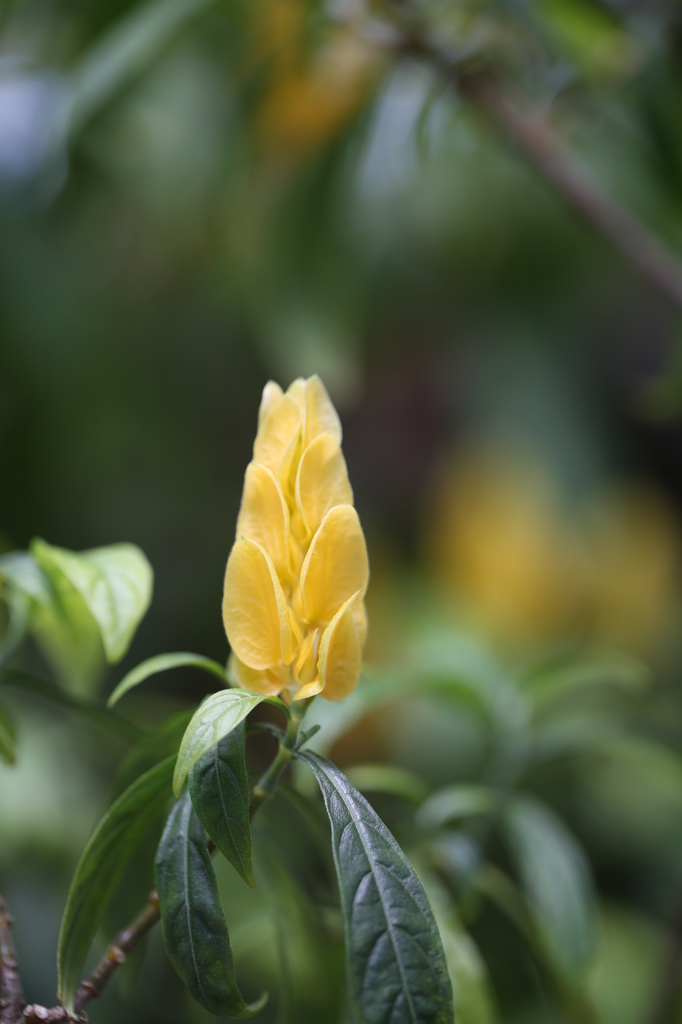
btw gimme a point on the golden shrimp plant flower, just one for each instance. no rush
(295, 582)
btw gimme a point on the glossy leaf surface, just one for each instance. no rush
(192, 918)
(396, 970)
(216, 717)
(100, 868)
(162, 663)
(219, 789)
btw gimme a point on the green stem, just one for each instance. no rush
(267, 784)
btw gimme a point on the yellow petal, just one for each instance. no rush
(340, 659)
(320, 415)
(322, 480)
(269, 681)
(255, 611)
(264, 516)
(336, 565)
(305, 670)
(360, 619)
(296, 390)
(271, 393)
(279, 428)
(309, 690)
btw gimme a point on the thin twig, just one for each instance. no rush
(117, 952)
(11, 994)
(531, 135)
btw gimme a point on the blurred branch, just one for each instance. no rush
(118, 951)
(531, 135)
(11, 995)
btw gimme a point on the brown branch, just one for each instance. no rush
(117, 952)
(531, 135)
(11, 995)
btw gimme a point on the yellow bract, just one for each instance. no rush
(293, 604)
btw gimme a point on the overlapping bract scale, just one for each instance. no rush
(296, 577)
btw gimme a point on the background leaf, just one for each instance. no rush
(556, 878)
(162, 663)
(115, 582)
(219, 714)
(219, 789)
(461, 800)
(100, 868)
(192, 918)
(396, 969)
(109, 721)
(8, 751)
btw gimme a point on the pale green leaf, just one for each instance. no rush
(163, 663)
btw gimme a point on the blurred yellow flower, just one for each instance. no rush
(526, 570)
(295, 582)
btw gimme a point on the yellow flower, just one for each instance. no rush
(295, 582)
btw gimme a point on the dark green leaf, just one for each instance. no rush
(19, 606)
(220, 793)
(115, 582)
(396, 968)
(219, 714)
(7, 738)
(109, 721)
(192, 917)
(100, 868)
(556, 878)
(162, 663)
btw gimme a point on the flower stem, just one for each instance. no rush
(267, 784)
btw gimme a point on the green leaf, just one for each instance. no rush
(396, 970)
(549, 683)
(108, 721)
(7, 738)
(458, 801)
(219, 788)
(21, 571)
(219, 714)
(126, 51)
(100, 868)
(115, 582)
(556, 878)
(19, 606)
(162, 663)
(471, 987)
(192, 918)
(386, 778)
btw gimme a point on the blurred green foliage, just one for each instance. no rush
(196, 196)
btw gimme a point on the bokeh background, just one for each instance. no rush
(198, 196)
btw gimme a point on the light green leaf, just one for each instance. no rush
(163, 663)
(395, 965)
(21, 571)
(8, 750)
(115, 582)
(458, 801)
(219, 714)
(219, 788)
(387, 778)
(556, 878)
(192, 918)
(100, 869)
